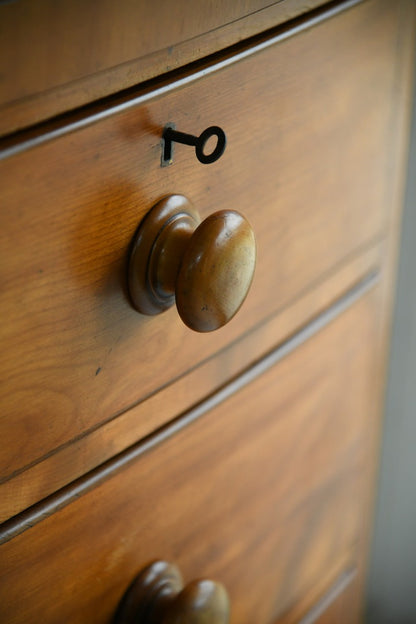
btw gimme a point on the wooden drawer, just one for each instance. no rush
(266, 493)
(45, 70)
(308, 125)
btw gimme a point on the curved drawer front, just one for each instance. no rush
(45, 69)
(266, 494)
(308, 125)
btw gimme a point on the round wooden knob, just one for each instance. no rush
(207, 268)
(157, 596)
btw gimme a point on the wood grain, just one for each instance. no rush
(263, 494)
(75, 354)
(64, 496)
(74, 460)
(44, 68)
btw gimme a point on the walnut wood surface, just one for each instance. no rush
(264, 494)
(74, 352)
(45, 69)
(74, 460)
(33, 515)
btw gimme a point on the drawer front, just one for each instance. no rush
(265, 493)
(45, 69)
(308, 126)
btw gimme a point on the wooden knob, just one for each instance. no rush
(157, 596)
(207, 268)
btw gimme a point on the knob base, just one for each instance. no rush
(152, 586)
(156, 253)
(157, 596)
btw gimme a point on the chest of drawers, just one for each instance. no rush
(247, 455)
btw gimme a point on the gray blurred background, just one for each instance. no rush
(391, 597)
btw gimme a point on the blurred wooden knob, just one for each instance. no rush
(207, 268)
(157, 596)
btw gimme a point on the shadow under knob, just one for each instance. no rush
(157, 596)
(207, 268)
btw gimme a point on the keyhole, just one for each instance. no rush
(171, 135)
